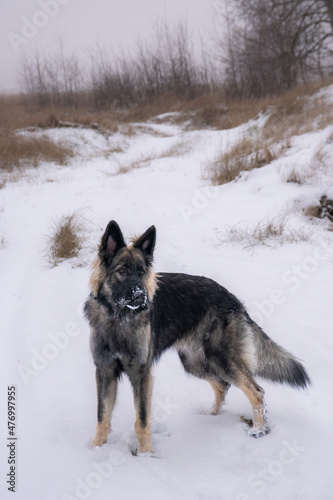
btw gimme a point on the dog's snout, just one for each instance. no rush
(137, 294)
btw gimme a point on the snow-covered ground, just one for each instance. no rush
(286, 287)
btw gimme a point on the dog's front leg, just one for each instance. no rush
(106, 384)
(142, 388)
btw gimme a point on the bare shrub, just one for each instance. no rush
(66, 239)
(209, 109)
(267, 232)
(54, 79)
(163, 67)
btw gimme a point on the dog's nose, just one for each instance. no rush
(138, 297)
(137, 294)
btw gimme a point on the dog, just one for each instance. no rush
(135, 315)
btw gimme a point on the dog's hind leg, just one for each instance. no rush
(142, 399)
(255, 394)
(220, 391)
(106, 398)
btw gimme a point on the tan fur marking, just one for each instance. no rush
(220, 393)
(252, 392)
(97, 276)
(143, 434)
(103, 428)
(150, 283)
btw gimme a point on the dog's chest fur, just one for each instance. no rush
(123, 341)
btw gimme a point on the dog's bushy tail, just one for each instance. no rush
(277, 364)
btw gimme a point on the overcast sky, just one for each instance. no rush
(27, 25)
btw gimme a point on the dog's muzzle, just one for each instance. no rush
(138, 299)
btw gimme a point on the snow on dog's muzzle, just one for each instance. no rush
(138, 298)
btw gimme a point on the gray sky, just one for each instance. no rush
(27, 25)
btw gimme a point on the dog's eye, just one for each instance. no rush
(141, 271)
(122, 270)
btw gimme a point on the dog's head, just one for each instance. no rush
(123, 275)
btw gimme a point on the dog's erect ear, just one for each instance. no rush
(112, 240)
(146, 243)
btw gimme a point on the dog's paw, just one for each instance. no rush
(258, 433)
(144, 454)
(98, 441)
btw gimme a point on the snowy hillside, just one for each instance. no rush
(156, 176)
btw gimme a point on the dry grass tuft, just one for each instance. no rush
(243, 156)
(66, 239)
(295, 177)
(143, 160)
(21, 151)
(267, 232)
(180, 148)
(117, 148)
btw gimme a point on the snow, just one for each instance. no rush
(286, 287)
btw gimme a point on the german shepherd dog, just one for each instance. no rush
(135, 315)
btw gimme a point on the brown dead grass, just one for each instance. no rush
(295, 176)
(66, 239)
(180, 148)
(17, 150)
(244, 155)
(290, 114)
(295, 114)
(22, 151)
(214, 110)
(143, 160)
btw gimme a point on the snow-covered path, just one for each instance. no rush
(287, 288)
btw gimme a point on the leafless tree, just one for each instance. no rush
(53, 79)
(272, 44)
(163, 66)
